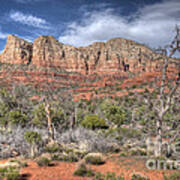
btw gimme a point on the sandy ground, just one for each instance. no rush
(64, 170)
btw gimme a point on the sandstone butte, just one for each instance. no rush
(109, 61)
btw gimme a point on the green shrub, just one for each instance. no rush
(112, 176)
(129, 133)
(121, 133)
(108, 176)
(32, 137)
(44, 162)
(9, 173)
(58, 116)
(71, 157)
(4, 109)
(22, 164)
(174, 176)
(16, 117)
(93, 122)
(40, 118)
(83, 171)
(138, 152)
(116, 114)
(134, 86)
(96, 160)
(123, 154)
(131, 93)
(55, 157)
(3, 172)
(53, 149)
(118, 89)
(98, 176)
(139, 177)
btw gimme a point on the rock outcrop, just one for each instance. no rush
(116, 55)
(17, 51)
(96, 71)
(47, 51)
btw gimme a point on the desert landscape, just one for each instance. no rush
(102, 110)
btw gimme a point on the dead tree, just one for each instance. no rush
(47, 100)
(163, 103)
(50, 124)
(64, 99)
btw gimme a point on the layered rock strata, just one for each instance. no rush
(114, 56)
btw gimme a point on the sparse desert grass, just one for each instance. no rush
(9, 173)
(83, 171)
(174, 176)
(107, 176)
(139, 177)
(96, 160)
(43, 161)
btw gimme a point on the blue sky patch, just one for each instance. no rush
(82, 22)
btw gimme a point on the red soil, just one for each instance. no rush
(119, 165)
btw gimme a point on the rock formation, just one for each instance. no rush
(99, 70)
(17, 51)
(116, 55)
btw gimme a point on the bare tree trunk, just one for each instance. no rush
(50, 126)
(158, 144)
(74, 116)
(32, 150)
(133, 118)
(163, 104)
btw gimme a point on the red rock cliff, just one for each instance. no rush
(17, 51)
(116, 55)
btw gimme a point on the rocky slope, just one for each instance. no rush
(101, 64)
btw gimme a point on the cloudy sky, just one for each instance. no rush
(81, 22)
